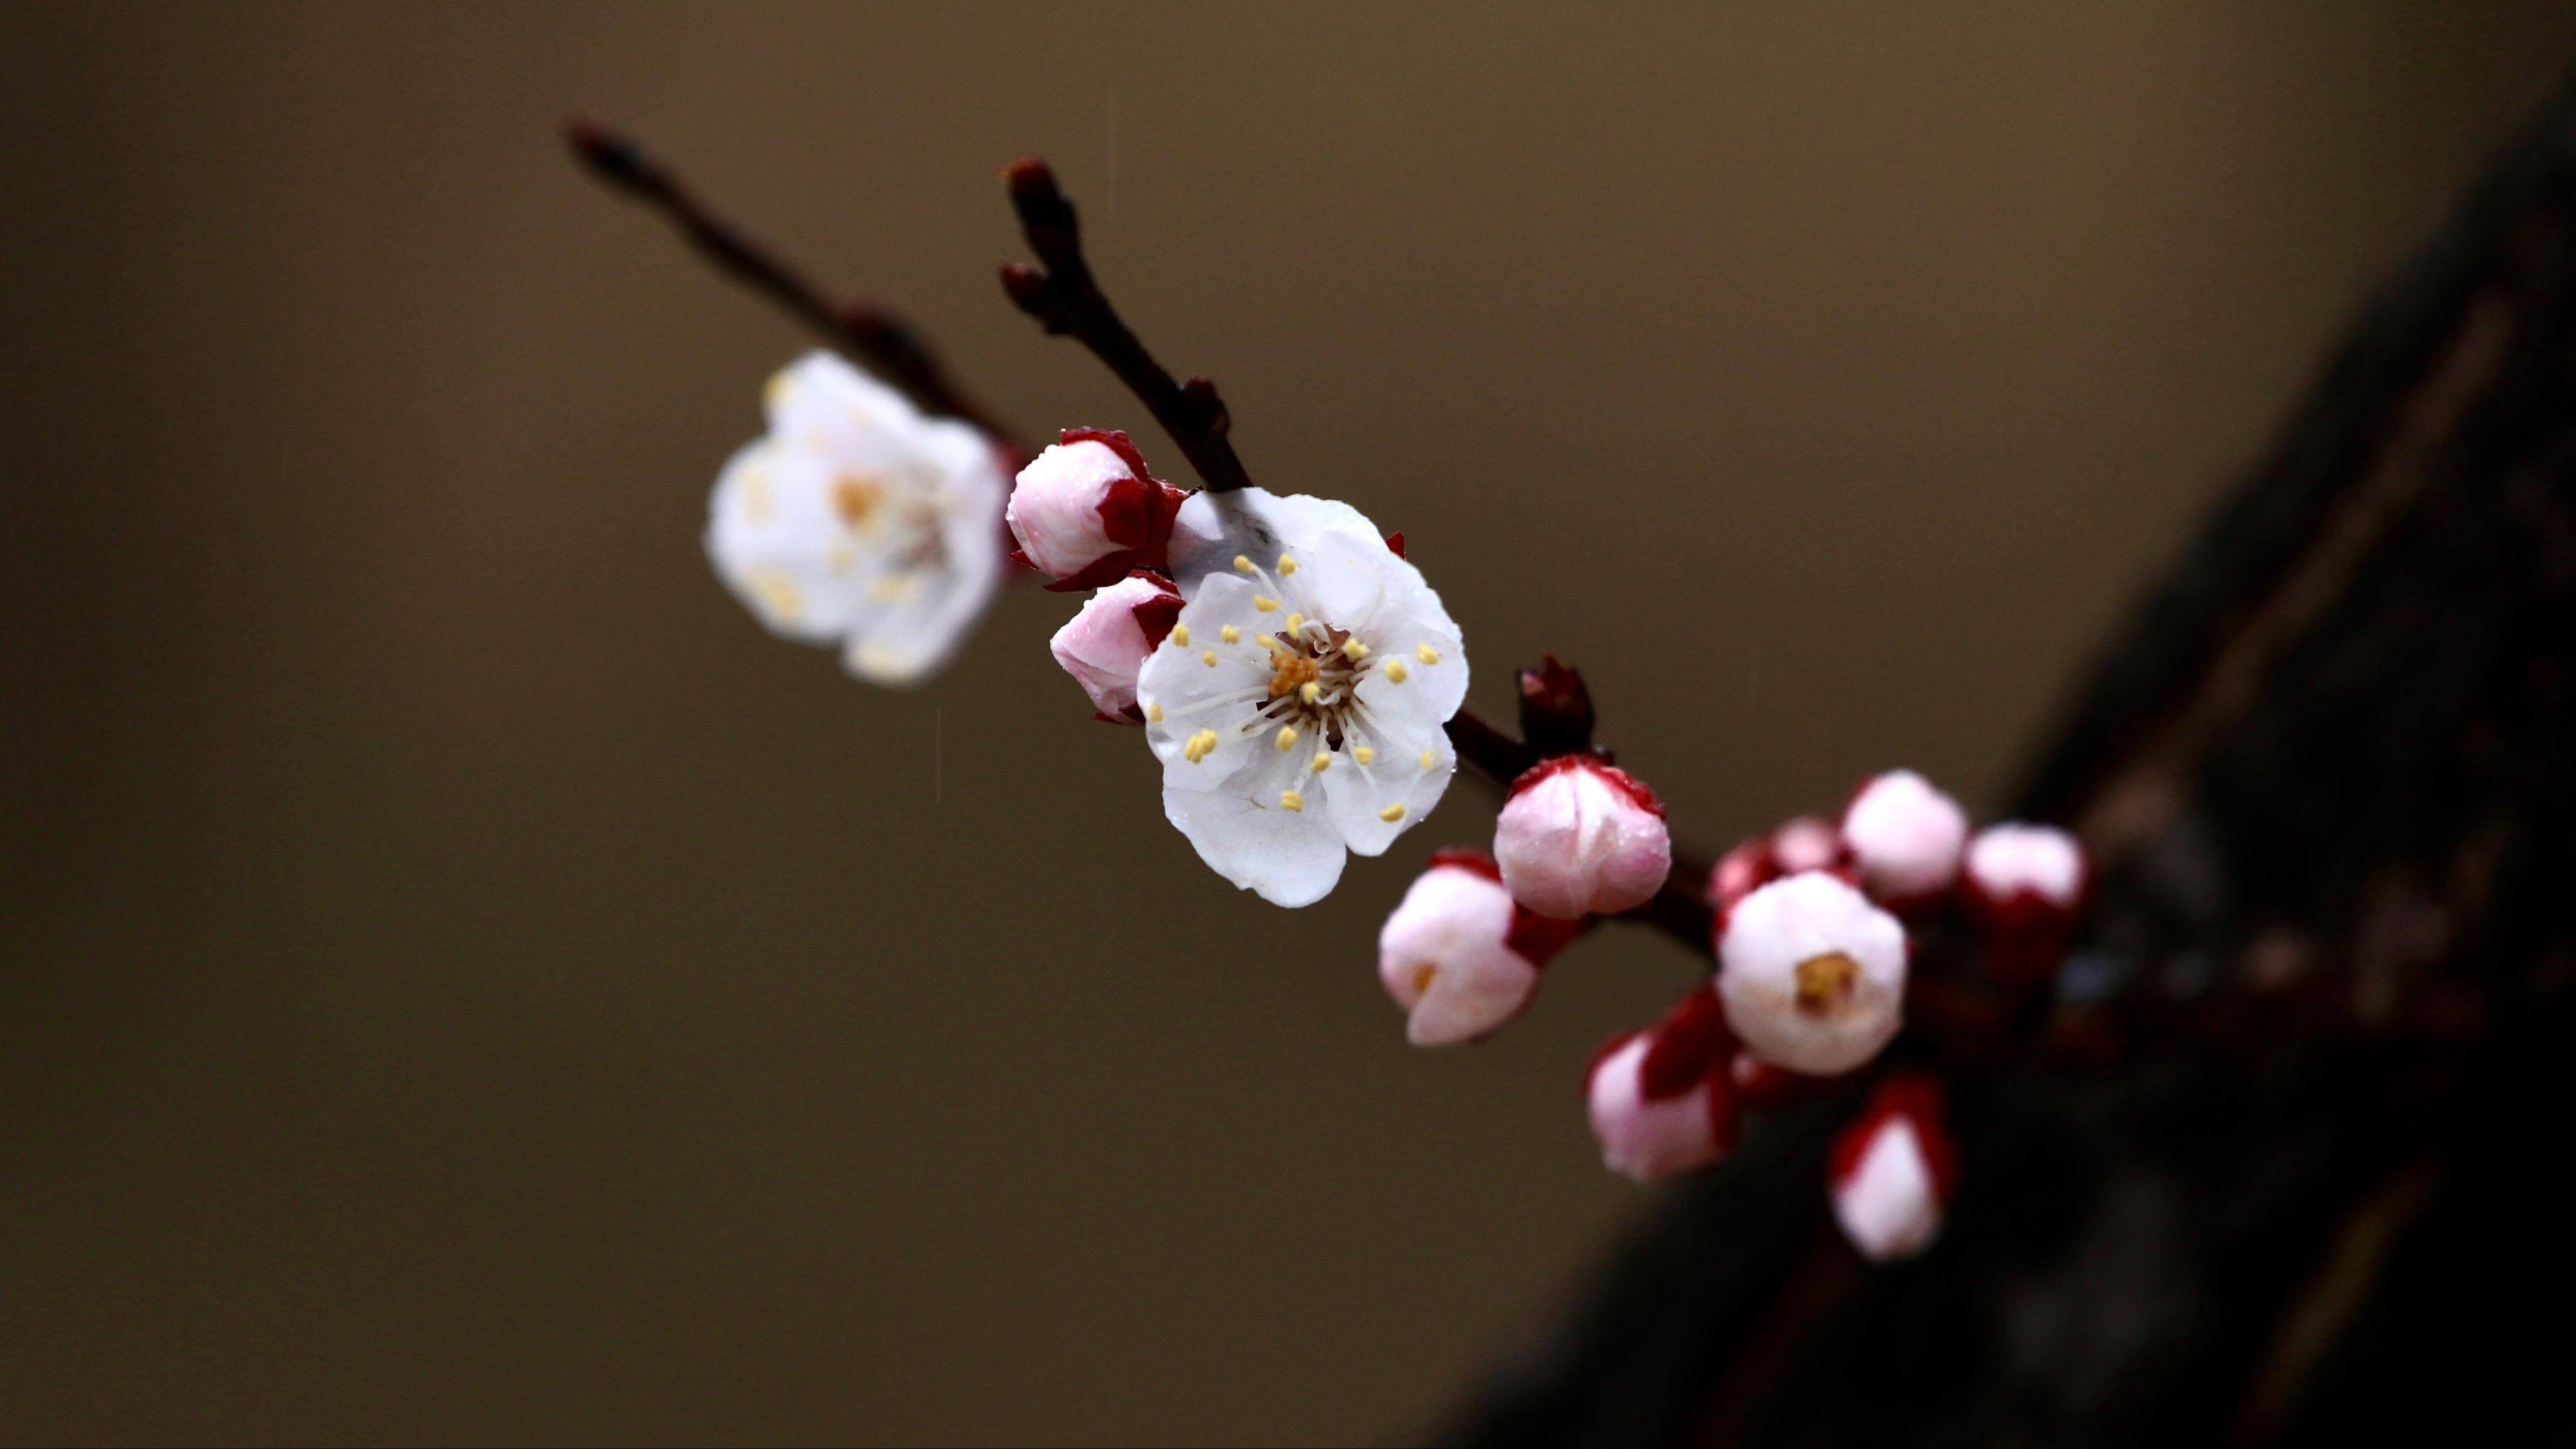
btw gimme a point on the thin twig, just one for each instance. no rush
(872, 335)
(1065, 299)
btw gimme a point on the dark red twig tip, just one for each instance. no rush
(1064, 298)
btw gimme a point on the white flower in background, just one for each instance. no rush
(858, 521)
(1104, 645)
(1579, 838)
(1892, 1172)
(1458, 955)
(1812, 974)
(1905, 837)
(1298, 704)
(1087, 513)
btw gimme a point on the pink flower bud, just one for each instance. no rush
(1086, 511)
(1810, 842)
(2024, 886)
(1742, 871)
(1893, 1170)
(1812, 974)
(1104, 645)
(1662, 1101)
(1905, 838)
(1458, 955)
(1579, 838)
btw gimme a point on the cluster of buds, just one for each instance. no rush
(1813, 932)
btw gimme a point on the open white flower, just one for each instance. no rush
(1297, 705)
(859, 521)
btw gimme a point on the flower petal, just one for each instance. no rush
(1287, 857)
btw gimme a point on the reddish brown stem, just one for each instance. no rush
(870, 334)
(1066, 300)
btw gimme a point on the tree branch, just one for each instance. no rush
(871, 334)
(1067, 301)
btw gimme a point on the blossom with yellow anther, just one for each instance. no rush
(858, 521)
(1811, 973)
(1289, 602)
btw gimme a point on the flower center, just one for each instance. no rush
(856, 496)
(1825, 982)
(1312, 677)
(1293, 672)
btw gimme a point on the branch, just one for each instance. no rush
(1068, 302)
(870, 334)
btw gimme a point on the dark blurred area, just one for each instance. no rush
(459, 979)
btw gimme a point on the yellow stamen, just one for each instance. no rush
(1242, 563)
(779, 594)
(1391, 814)
(1230, 634)
(1286, 739)
(1426, 653)
(1264, 603)
(855, 497)
(1154, 711)
(1364, 755)
(1291, 800)
(1320, 763)
(1294, 672)
(1310, 692)
(1208, 659)
(1296, 622)
(1428, 759)
(1396, 673)
(1287, 565)
(1824, 981)
(1355, 650)
(1181, 635)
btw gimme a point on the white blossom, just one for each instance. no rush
(1905, 837)
(859, 521)
(1812, 974)
(1579, 838)
(1298, 704)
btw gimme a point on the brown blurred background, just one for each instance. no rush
(459, 979)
